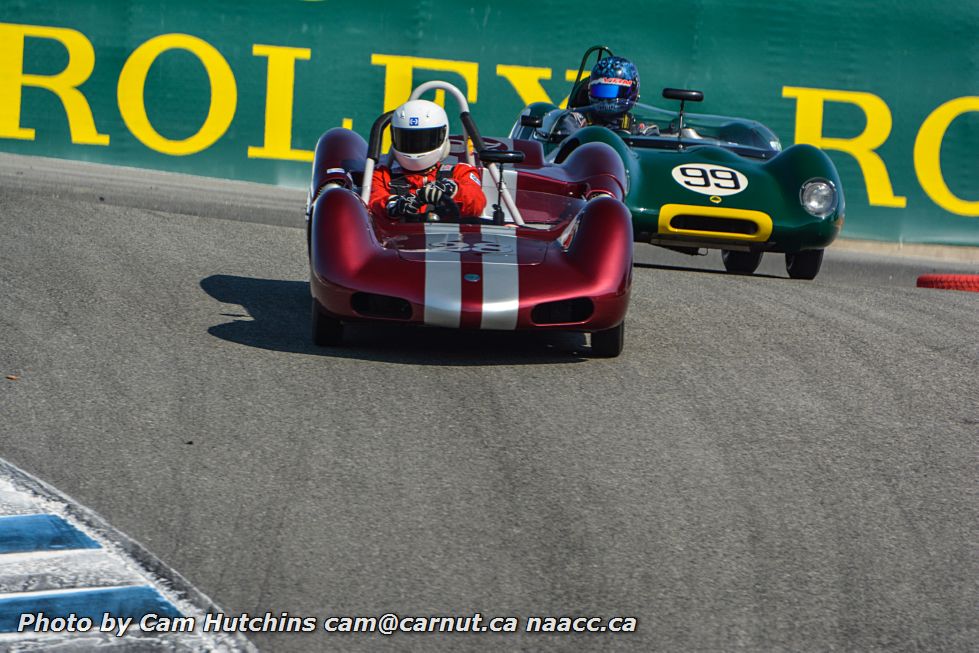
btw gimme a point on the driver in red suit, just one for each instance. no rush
(420, 142)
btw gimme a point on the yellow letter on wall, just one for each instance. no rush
(809, 129)
(526, 82)
(398, 78)
(81, 62)
(132, 106)
(927, 155)
(278, 104)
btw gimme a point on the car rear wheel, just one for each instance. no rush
(740, 262)
(327, 331)
(805, 264)
(608, 343)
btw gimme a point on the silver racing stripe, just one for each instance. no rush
(443, 277)
(501, 281)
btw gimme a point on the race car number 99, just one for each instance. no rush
(709, 179)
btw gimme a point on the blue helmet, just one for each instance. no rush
(613, 87)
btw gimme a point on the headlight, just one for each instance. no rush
(818, 197)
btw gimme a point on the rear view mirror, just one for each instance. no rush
(501, 156)
(528, 120)
(682, 94)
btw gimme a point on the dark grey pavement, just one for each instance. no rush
(772, 465)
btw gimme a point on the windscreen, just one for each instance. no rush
(715, 130)
(546, 208)
(708, 129)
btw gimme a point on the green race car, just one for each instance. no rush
(703, 181)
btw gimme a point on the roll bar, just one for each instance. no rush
(373, 154)
(602, 50)
(463, 107)
(471, 132)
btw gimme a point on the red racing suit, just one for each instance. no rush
(469, 197)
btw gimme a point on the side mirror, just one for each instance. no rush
(527, 120)
(682, 94)
(501, 156)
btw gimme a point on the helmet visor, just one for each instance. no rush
(418, 141)
(609, 88)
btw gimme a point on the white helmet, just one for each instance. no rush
(419, 135)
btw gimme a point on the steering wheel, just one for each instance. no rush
(446, 210)
(560, 127)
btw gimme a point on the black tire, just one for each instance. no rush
(740, 262)
(327, 331)
(805, 264)
(608, 343)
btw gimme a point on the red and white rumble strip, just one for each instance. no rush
(70, 582)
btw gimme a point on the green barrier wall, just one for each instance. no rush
(243, 89)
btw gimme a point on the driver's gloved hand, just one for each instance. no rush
(400, 205)
(434, 191)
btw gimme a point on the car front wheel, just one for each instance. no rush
(327, 331)
(608, 343)
(805, 264)
(740, 262)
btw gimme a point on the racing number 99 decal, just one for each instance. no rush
(709, 179)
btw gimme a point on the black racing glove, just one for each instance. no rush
(434, 191)
(399, 205)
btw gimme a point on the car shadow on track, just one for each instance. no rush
(279, 312)
(680, 268)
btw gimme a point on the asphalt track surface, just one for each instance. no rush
(771, 465)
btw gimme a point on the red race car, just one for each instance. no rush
(552, 250)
